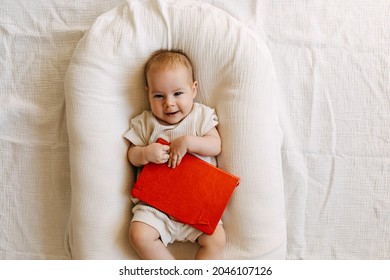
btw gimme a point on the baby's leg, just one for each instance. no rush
(211, 245)
(146, 241)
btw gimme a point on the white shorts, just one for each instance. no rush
(170, 230)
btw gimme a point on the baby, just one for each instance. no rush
(190, 127)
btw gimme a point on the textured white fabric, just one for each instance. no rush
(104, 89)
(37, 39)
(332, 66)
(334, 71)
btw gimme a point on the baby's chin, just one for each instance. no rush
(171, 119)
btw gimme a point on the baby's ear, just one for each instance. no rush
(195, 88)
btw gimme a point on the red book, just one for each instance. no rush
(194, 193)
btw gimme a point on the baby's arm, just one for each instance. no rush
(208, 145)
(141, 155)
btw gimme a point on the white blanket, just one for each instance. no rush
(333, 69)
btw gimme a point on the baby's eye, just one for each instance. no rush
(158, 96)
(178, 93)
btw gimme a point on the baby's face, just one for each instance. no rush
(171, 93)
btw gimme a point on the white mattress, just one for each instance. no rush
(333, 69)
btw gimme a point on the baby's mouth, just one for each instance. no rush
(171, 113)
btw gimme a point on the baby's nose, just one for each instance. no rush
(169, 101)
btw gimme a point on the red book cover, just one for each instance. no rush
(194, 193)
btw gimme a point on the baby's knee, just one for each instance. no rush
(140, 234)
(216, 241)
(134, 235)
(220, 238)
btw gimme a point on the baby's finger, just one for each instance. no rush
(172, 161)
(165, 148)
(178, 161)
(163, 158)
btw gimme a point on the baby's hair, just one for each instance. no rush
(170, 59)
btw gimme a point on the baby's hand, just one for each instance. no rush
(178, 149)
(157, 153)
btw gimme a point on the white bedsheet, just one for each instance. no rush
(332, 60)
